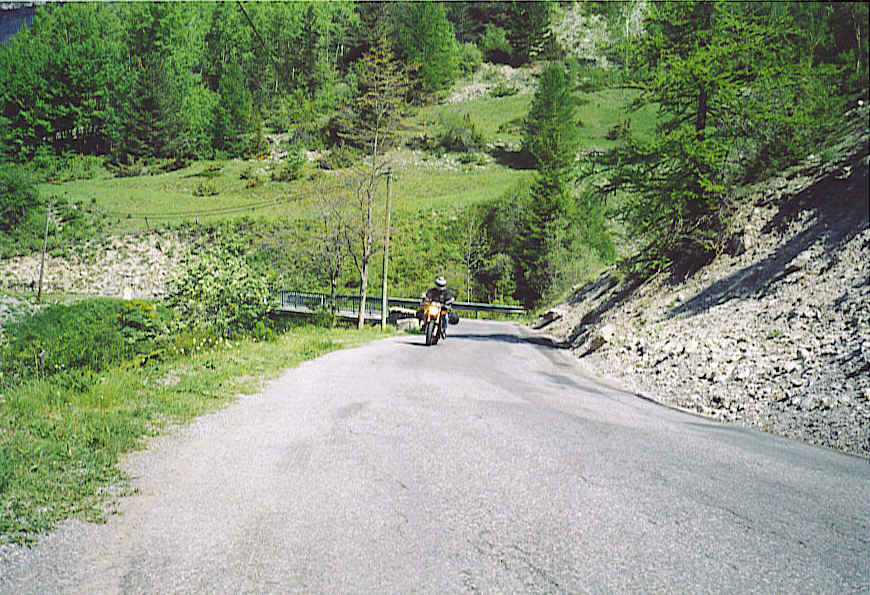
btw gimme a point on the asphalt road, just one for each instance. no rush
(487, 463)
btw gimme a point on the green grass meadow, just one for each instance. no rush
(419, 182)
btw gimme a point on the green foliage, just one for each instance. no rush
(503, 90)
(59, 82)
(86, 336)
(61, 437)
(22, 216)
(219, 291)
(19, 197)
(529, 30)
(340, 157)
(233, 115)
(550, 133)
(206, 188)
(291, 168)
(736, 96)
(495, 45)
(556, 223)
(469, 58)
(426, 39)
(460, 133)
(371, 122)
(50, 167)
(194, 139)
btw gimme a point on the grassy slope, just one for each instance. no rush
(169, 198)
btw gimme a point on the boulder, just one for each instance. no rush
(604, 335)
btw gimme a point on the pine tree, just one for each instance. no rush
(426, 38)
(729, 83)
(552, 139)
(233, 116)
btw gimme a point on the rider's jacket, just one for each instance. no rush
(439, 295)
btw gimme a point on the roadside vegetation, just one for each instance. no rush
(263, 135)
(84, 383)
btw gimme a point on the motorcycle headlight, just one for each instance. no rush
(434, 309)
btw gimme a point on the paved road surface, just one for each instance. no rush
(487, 463)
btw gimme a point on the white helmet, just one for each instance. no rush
(441, 282)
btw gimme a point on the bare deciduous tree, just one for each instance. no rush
(371, 124)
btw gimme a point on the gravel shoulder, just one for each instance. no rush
(775, 333)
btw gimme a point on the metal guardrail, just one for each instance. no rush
(299, 301)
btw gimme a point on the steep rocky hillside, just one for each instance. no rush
(773, 335)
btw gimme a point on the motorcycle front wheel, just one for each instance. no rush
(430, 333)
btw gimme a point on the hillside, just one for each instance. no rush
(774, 334)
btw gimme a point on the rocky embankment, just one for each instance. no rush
(132, 266)
(774, 334)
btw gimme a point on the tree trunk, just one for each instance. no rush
(701, 117)
(363, 288)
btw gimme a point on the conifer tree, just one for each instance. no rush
(233, 117)
(732, 87)
(426, 38)
(552, 139)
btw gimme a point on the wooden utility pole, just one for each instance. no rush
(385, 308)
(42, 261)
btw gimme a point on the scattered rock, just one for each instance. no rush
(776, 338)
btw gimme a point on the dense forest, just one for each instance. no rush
(740, 89)
(198, 79)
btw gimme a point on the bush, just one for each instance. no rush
(66, 168)
(470, 58)
(340, 157)
(461, 134)
(175, 164)
(206, 188)
(291, 168)
(495, 45)
(250, 174)
(86, 336)
(619, 131)
(220, 292)
(503, 90)
(19, 197)
(128, 170)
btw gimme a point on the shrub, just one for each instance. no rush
(619, 131)
(503, 90)
(70, 166)
(128, 170)
(86, 336)
(291, 168)
(470, 58)
(174, 164)
(495, 45)
(206, 188)
(258, 144)
(461, 134)
(220, 292)
(340, 157)
(19, 196)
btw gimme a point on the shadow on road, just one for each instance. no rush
(508, 339)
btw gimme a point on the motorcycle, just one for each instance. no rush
(433, 321)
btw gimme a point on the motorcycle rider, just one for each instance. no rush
(440, 293)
